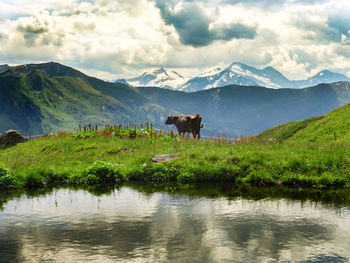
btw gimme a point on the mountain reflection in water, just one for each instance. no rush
(130, 226)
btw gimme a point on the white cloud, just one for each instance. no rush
(105, 35)
(124, 38)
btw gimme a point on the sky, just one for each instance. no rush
(116, 38)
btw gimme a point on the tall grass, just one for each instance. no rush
(123, 132)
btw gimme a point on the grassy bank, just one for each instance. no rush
(107, 159)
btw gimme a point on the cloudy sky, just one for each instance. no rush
(123, 38)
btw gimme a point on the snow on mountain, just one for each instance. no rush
(211, 72)
(237, 73)
(159, 78)
(324, 76)
(244, 75)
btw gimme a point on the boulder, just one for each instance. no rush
(164, 158)
(11, 138)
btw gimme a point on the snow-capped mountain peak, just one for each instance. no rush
(236, 73)
(324, 76)
(158, 78)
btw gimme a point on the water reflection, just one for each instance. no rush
(127, 225)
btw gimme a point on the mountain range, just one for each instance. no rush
(50, 97)
(237, 73)
(159, 78)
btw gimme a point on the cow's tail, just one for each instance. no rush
(202, 125)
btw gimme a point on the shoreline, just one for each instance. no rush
(231, 191)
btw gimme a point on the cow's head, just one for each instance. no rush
(171, 119)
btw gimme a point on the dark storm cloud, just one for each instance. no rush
(193, 25)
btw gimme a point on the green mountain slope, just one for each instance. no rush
(335, 126)
(35, 101)
(17, 110)
(284, 131)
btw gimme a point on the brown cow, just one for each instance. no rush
(187, 123)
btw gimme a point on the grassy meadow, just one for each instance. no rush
(115, 154)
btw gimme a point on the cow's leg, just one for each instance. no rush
(194, 134)
(199, 135)
(182, 134)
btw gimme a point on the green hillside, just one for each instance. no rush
(335, 126)
(284, 131)
(49, 97)
(37, 101)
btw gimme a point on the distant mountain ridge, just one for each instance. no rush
(159, 78)
(324, 76)
(246, 110)
(50, 97)
(237, 74)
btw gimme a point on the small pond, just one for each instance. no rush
(130, 225)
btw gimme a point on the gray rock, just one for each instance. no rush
(11, 138)
(164, 158)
